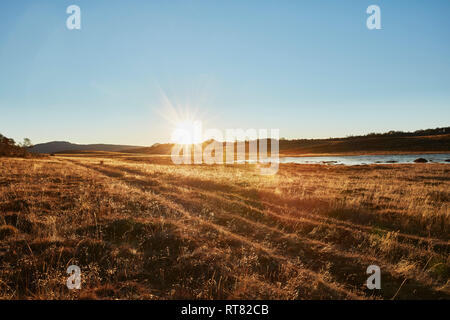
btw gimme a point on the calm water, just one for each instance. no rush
(360, 160)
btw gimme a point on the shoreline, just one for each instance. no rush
(362, 153)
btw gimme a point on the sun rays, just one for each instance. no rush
(184, 119)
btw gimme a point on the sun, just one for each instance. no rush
(187, 132)
(185, 120)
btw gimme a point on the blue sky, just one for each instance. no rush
(310, 68)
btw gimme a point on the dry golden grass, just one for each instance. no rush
(142, 228)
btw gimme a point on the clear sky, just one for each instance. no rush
(310, 68)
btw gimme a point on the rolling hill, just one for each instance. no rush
(64, 146)
(430, 140)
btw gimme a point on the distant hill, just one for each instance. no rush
(433, 140)
(436, 140)
(64, 146)
(369, 144)
(157, 148)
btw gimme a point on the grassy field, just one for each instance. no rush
(142, 228)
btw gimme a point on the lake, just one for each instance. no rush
(367, 159)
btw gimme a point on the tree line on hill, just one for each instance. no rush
(417, 133)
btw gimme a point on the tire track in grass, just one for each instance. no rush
(336, 289)
(393, 276)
